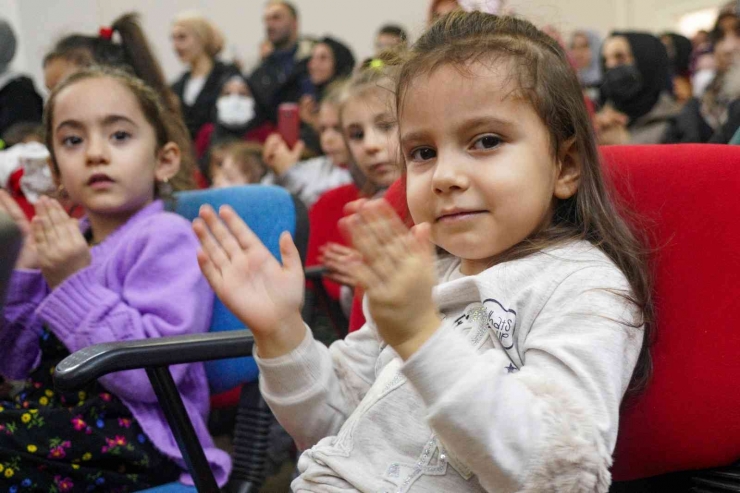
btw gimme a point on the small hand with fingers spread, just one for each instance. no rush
(263, 294)
(338, 259)
(397, 271)
(62, 249)
(28, 257)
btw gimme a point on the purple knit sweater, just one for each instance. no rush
(143, 282)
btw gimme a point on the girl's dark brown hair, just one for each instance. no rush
(132, 54)
(166, 128)
(545, 79)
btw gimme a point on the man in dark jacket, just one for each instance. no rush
(283, 74)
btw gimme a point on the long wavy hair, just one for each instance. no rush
(545, 80)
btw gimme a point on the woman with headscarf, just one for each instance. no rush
(679, 53)
(585, 53)
(19, 101)
(330, 61)
(637, 106)
(197, 43)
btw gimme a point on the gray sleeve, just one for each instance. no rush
(314, 389)
(552, 425)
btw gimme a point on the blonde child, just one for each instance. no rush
(500, 367)
(128, 271)
(366, 118)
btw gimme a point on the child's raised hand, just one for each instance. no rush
(28, 257)
(62, 249)
(263, 294)
(278, 156)
(338, 260)
(397, 271)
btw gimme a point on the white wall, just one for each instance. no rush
(40, 22)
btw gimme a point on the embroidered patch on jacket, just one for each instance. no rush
(490, 319)
(502, 321)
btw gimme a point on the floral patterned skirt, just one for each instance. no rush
(81, 441)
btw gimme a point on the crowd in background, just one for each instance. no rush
(643, 88)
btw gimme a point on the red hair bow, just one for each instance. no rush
(106, 33)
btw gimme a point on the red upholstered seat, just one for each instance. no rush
(687, 204)
(323, 219)
(689, 417)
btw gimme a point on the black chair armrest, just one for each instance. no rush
(156, 355)
(95, 361)
(315, 273)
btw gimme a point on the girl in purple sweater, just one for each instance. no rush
(128, 271)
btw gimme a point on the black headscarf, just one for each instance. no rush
(651, 60)
(682, 54)
(344, 63)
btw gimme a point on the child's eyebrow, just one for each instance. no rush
(108, 120)
(111, 119)
(412, 137)
(74, 124)
(464, 125)
(485, 121)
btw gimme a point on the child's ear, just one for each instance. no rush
(168, 161)
(569, 170)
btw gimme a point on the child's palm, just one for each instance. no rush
(396, 270)
(245, 275)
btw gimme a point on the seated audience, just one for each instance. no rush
(310, 178)
(330, 61)
(716, 115)
(637, 105)
(237, 118)
(197, 43)
(282, 76)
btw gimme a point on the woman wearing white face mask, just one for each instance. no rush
(236, 117)
(235, 106)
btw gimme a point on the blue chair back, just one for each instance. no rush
(268, 211)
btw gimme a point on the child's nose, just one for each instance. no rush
(96, 151)
(372, 142)
(448, 176)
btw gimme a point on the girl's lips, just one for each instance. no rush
(458, 216)
(381, 168)
(99, 181)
